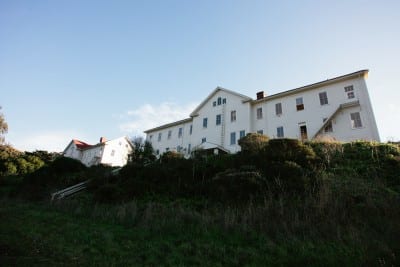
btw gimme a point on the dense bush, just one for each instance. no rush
(60, 173)
(14, 162)
(237, 186)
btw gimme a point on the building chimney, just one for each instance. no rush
(260, 95)
(103, 139)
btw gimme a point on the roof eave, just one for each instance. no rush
(357, 74)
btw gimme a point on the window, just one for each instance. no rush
(259, 113)
(278, 109)
(178, 149)
(203, 140)
(180, 132)
(224, 101)
(328, 127)
(169, 134)
(219, 101)
(159, 137)
(279, 132)
(218, 119)
(204, 122)
(323, 98)
(151, 137)
(214, 104)
(233, 115)
(349, 90)
(112, 153)
(189, 148)
(260, 132)
(157, 151)
(355, 120)
(233, 138)
(191, 129)
(242, 134)
(299, 103)
(167, 149)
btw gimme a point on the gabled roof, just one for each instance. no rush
(218, 89)
(80, 144)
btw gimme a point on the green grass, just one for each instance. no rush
(39, 235)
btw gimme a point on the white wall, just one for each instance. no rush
(246, 117)
(116, 152)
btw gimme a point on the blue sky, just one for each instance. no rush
(85, 69)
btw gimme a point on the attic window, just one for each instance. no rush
(219, 101)
(214, 103)
(224, 101)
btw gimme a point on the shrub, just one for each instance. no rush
(108, 193)
(236, 186)
(280, 150)
(253, 143)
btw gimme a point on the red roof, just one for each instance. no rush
(80, 144)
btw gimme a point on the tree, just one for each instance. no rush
(142, 152)
(3, 128)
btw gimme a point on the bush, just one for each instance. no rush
(236, 186)
(109, 193)
(280, 150)
(253, 143)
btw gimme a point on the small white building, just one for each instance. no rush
(113, 153)
(339, 108)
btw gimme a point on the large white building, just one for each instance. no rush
(113, 153)
(338, 107)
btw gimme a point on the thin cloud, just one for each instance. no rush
(149, 116)
(53, 141)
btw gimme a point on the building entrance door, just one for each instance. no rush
(303, 132)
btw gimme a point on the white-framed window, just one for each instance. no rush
(242, 133)
(259, 113)
(203, 140)
(349, 90)
(180, 132)
(219, 101)
(159, 137)
(233, 138)
(323, 98)
(218, 119)
(355, 120)
(214, 103)
(260, 132)
(224, 101)
(151, 137)
(279, 132)
(169, 134)
(189, 148)
(191, 129)
(233, 115)
(278, 109)
(299, 104)
(328, 127)
(205, 122)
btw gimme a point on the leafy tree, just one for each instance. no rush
(142, 152)
(3, 127)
